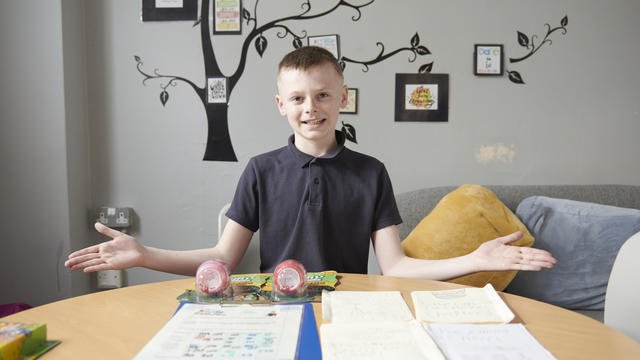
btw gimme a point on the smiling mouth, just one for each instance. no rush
(313, 122)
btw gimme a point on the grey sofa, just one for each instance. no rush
(414, 205)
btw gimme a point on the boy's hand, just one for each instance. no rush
(122, 252)
(497, 254)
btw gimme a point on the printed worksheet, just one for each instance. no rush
(466, 305)
(212, 331)
(487, 342)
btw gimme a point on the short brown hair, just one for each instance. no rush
(306, 57)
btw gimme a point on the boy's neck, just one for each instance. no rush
(315, 148)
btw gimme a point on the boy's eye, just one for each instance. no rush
(323, 95)
(296, 98)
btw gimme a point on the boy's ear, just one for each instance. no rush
(283, 112)
(345, 96)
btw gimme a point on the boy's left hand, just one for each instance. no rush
(497, 254)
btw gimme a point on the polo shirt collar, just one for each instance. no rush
(303, 159)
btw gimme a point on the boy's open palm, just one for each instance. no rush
(122, 252)
(497, 254)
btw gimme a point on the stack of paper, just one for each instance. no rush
(379, 325)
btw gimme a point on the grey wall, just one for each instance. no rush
(575, 121)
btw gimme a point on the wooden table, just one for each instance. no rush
(116, 324)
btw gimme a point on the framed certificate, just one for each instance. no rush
(227, 17)
(169, 10)
(488, 60)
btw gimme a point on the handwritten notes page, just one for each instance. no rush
(467, 305)
(364, 306)
(199, 331)
(382, 340)
(487, 342)
(372, 325)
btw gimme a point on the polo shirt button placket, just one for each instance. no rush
(314, 191)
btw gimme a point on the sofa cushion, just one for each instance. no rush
(585, 238)
(462, 220)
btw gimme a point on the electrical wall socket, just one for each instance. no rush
(115, 217)
(109, 279)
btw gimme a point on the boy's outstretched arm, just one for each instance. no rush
(492, 255)
(123, 251)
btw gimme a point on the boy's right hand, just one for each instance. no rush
(122, 252)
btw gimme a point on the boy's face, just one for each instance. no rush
(311, 101)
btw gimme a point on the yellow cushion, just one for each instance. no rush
(460, 222)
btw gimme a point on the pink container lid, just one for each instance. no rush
(212, 277)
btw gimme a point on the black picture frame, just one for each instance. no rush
(329, 42)
(488, 59)
(422, 97)
(233, 16)
(188, 11)
(352, 106)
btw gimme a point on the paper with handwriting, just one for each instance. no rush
(364, 306)
(211, 331)
(373, 341)
(466, 305)
(487, 342)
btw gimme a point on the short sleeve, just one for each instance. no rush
(386, 210)
(245, 205)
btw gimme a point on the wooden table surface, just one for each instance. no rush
(116, 324)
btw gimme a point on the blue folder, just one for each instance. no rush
(309, 344)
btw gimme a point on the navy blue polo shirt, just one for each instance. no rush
(319, 211)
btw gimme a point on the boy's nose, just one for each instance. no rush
(310, 106)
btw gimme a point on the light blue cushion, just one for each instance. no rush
(585, 238)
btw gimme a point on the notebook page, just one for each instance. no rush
(382, 340)
(466, 305)
(487, 342)
(364, 306)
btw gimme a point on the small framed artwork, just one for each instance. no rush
(217, 90)
(488, 60)
(227, 17)
(422, 97)
(329, 42)
(169, 10)
(352, 102)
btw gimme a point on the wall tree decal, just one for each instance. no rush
(219, 146)
(529, 43)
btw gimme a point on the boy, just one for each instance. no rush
(314, 201)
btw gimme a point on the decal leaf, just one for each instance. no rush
(515, 77)
(297, 43)
(564, 21)
(349, 132)
(415, 40)
(137, 58)
(164, 97)
(422, 50)
(261, 45)
(426, 68)
(523, 39)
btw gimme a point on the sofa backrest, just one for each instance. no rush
(415, 205)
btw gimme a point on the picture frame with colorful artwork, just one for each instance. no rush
(329, 42)
(488, 60)
(422, 97)
(169, 10)
(352, 102)
(227, 17)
